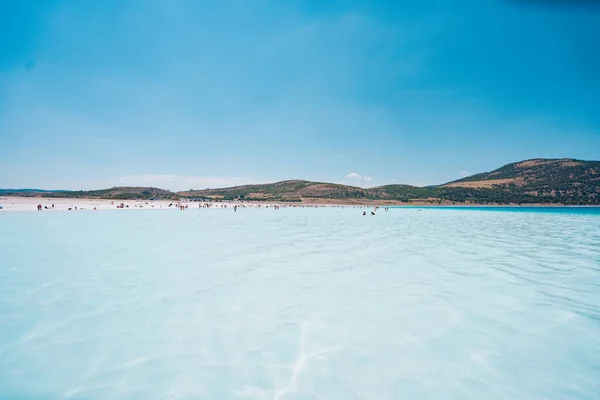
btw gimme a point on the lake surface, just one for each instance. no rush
(300, 304)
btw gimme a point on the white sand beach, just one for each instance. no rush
(9, 204)
(62, 204)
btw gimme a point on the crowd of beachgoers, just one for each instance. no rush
(45, 205)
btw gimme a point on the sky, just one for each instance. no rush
(195, 94)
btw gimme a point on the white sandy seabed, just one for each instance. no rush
(299, 304)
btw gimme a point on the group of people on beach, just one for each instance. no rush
(51, 207)
(184, 206)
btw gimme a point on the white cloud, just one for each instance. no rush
(464, 174)
(181, 182)
(354, 175)
(354, 179)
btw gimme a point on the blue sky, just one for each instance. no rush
(194, 94)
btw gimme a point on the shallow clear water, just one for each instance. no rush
(300, 304)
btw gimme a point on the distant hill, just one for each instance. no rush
(537, 172)
(315, 192)
(537, 181)
(116, 193)
(293, 190)
(556, 181)
(11, 192)
(130, 192)
(565, 181)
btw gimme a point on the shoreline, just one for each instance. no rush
(11, 204)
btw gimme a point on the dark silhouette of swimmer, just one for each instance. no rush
(372, 213)
(364, 213)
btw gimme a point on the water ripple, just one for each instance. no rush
(300, 304)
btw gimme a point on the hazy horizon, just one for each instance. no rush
(169, 182)
(175, 189)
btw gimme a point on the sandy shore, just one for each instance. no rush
(31, 203)
(62, 204)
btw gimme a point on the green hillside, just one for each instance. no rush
(565, 181)
(116, 193)
(555, 181)
(559, 181)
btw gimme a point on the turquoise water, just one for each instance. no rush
(544, 210)
(300, 304)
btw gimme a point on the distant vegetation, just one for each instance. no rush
(537, 181)
(564, 181)
(116, 193)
